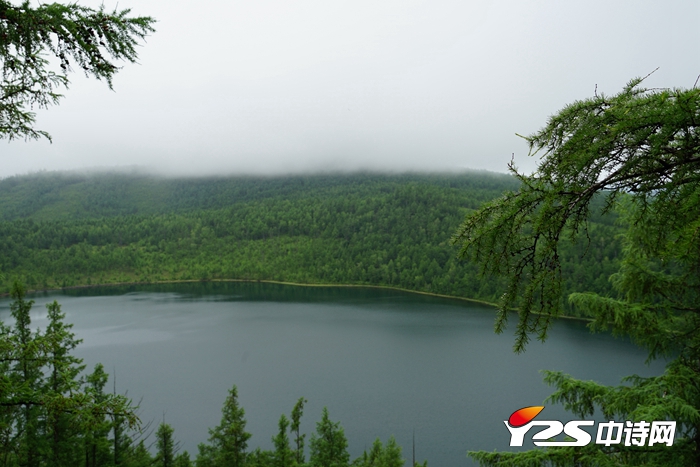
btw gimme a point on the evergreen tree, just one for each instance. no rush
(120, 440)
(260, 458)
(125, 439)
(49, 417)
(138, 456)
(8, 411)
(329, 447)
(74, 35)
(297, 413)
(381, 456)
(391, 457)
(27, 381)
(205, 455)
(640, 150)
(165, 444)
(183, 460)
(63, 379)
(372, 459)
(229, 440)
(283, 455)
(97, 445)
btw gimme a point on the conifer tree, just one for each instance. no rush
(640, 151)
(392, 454)
(97, 426)
(283, 455)
(297, 413)
(373, 458)
(329, 447)
(260, 458)
(27, 380)
(91, 39)
(120, 440)
(7, 410)
(165, 444)
(183, 460)
(205, 455)
(229, 440)
(138, 456)
(381, 456)
(49, 417)
(61, 427)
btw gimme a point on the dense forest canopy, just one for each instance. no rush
(68, 229)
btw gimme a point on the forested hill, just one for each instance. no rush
(70, 229)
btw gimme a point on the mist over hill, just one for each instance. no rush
(91, 194)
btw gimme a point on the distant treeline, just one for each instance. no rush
(59, 230)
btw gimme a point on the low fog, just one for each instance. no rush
(271, 87)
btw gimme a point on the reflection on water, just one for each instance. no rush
(383, 362)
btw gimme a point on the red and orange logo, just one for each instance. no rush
(608, 433)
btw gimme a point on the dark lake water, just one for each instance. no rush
(383, 362)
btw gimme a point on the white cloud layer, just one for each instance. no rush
(275, 86)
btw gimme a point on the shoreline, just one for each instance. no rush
(297, 284)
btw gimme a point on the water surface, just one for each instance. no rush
(383, 362)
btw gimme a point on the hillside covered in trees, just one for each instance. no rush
(70, 229)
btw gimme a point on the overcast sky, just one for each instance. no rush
(270, 86)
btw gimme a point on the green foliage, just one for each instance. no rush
(638, 143)
(205, 455)
(283, 455)
(381, 456)
(260, 458)
(229, 440)
(294, 428)
(97, 445)
(73, 34)
(329, 447)
(140, 457)
(355, 229)
(165, 444)
(26, 378)
(63, 378)
(183, 460)
(328, 444)
(49, 416)
(639, 150)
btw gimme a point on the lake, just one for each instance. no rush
(384, 362)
